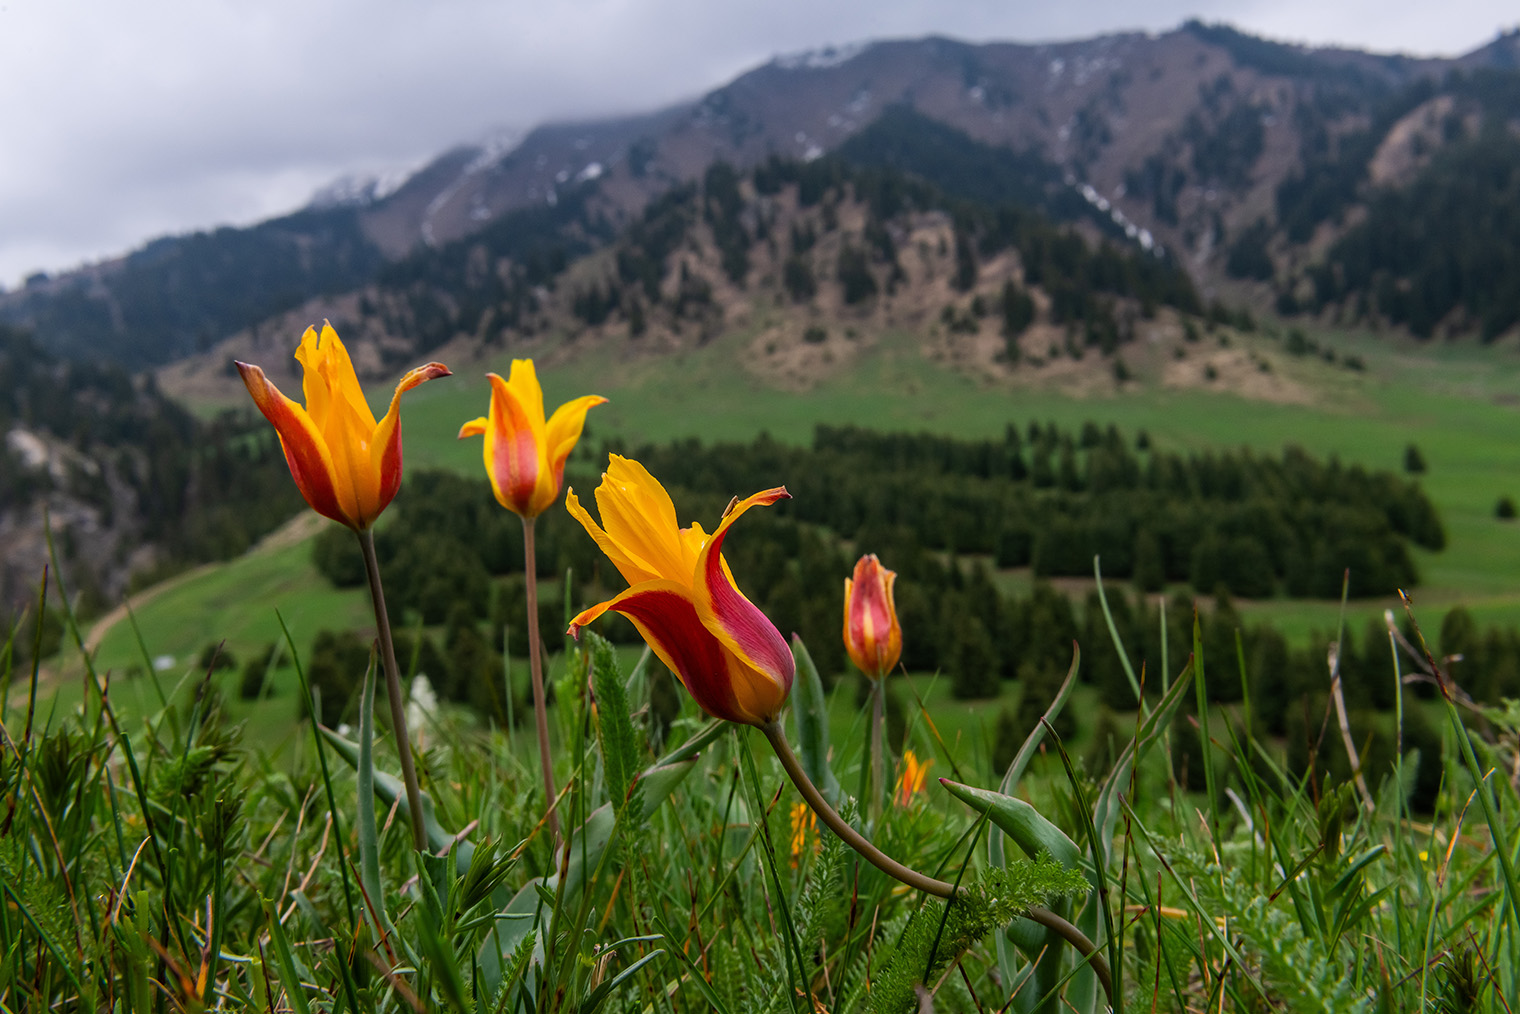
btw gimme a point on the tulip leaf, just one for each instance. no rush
(810, 710)
(1034, 835)
(1021, 822)
(365, 829)
(1037, 735)
(390, 791)
(1152, 727)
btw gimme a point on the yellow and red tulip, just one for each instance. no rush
(872, 635)
(524, 455)
(346, 465)
(683, 598)
(911, 778)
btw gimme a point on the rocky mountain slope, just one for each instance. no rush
(1274, 173)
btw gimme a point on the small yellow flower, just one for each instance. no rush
(911, 780)
(804, 826)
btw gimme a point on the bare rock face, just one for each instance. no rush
(84, 506)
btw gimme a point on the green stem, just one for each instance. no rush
(911, 877)
(883, 862)
(393, 689)
(878, 744)
(536, 667)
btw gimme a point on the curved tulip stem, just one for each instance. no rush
(826, 813)
(1089, 950)
(393, 689)
(912, 877)
(536, 667)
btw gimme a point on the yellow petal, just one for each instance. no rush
(639, 517)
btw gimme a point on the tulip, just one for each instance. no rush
(874, 642)
(683, 600)
(871, 632)
(525, 457)
(525, 460)
(347, 466)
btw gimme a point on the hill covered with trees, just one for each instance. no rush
(129, 483)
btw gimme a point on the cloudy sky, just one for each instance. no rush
(123, 121)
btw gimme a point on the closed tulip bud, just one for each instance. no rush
(871, 632)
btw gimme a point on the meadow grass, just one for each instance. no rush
(165, 862)
(1456, 401)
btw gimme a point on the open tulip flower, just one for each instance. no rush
(683, 599)
(872, 635)
(525, 456)
(347, 466)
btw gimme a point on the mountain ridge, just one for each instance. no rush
(1216, 143)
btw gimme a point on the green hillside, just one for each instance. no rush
(1450, 401)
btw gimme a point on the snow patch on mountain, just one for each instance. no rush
(821, 59)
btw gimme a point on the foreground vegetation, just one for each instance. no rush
(168, 862)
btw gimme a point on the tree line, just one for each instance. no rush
(1256, 524)
(141, 464)
(454, 583)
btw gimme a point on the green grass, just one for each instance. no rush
(1454, 401)
(1457, 402)
(1303, 898)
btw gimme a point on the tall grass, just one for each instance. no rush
(167, 863)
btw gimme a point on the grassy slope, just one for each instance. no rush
(1452, 401)
(1455, 402)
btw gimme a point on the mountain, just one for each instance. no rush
(1278, 175)
(120, 479)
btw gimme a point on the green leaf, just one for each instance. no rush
(285, 961)
(601, 993)
(614, 725)
(810, 710)
(1021, 822)
(369, 836)
(1037, 734)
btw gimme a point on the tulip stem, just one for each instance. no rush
(853, 838)
(536, 667)
(912, 877)
(878, 747)
(393, 689)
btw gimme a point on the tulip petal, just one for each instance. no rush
(305, 450)
(666, 616)
(640, 520)
(523, 380)
(385, 450)
(563, 430)
(473, 428)
(736, 621)
(614, 552)
(511, 448)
